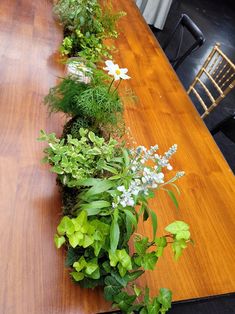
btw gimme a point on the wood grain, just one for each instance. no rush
(32, 274)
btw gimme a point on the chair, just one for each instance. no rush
(184, 23)
(226, 126)
(214, 81)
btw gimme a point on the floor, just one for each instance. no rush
(216, 19)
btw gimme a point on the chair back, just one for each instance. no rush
(185, 23)
(214, 81)
(227, 126)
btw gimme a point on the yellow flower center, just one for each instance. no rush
(118, 72)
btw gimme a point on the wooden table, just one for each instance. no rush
(32, 274)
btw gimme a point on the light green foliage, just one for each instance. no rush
(87, 23)
(181, 235)
(122, 260)
(94, 104)
(85, 268)
(78, 159)
(83, 232)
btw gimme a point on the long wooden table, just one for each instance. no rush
(32, 273)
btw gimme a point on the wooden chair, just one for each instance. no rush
(214, 81)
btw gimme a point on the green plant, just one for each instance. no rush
(96, 105)
(113, 186)
(87, 23)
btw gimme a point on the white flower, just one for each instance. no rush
(115, 71)
(121, 188)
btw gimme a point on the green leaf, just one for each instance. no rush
(110, 169)
(114, 235)
(154, 222)
(154, 307)
(96, 274)
(173, 198)
(124, 300)
(75, 238)
(93, 208)
(137, 290)
(131, 217)
(180, 229)
(59, 241)
(91, 268)
(161, 244)
(81, 264)
(112, 288)
(57, 169)
(125, 259)
(133, 275)
(178, 246)
(149, 261)
(141, 245)
(98, 188)
(165, 298)
(77, 276)
(66, 226)
(126, 157)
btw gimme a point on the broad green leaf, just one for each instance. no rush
(81, 264)
(149, 261)
(122, 270)
(112, 288)
(141, 245)
(178, 246)
(75, 239)
(59, 241)
(173, 198)
(80, 220)
(88, 240)
(124, 259)
(98, 188)
(66, 226)
(176, 227)
(133, 275)
(114, 235)
(154, 307)
(93, 208)
(91, 268)
(95, 274)
(77, 276)
(165, 298)
(124, 301)
(131, 217)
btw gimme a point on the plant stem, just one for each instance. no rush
(110, 85)
(117, 86)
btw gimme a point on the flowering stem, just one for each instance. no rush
(117, 86)
(110, 85)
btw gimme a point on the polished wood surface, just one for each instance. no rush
(32, 274)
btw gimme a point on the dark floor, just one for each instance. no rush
(216, 19)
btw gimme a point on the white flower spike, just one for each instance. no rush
(115, 71)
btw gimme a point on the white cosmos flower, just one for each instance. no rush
(115, 71)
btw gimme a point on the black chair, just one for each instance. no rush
(184, 23)
(226, 126)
